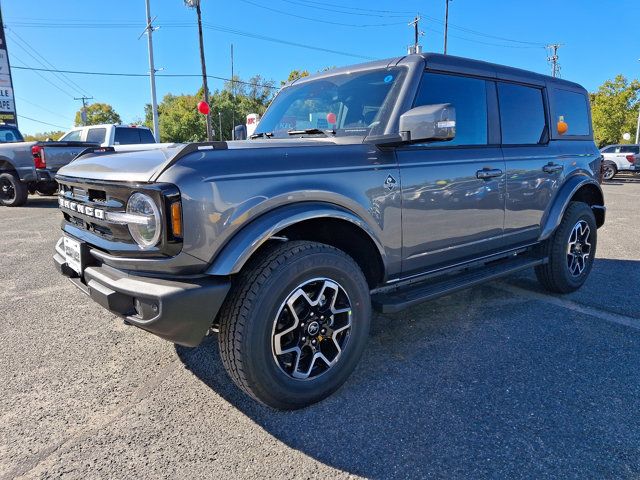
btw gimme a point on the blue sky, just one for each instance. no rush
(102, 36)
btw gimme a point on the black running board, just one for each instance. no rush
(402, 298)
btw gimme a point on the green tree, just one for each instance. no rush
(180, 120)
(98, 113)
(295, 75)
(36, 137)
(615, 110)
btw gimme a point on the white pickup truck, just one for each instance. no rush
(108, 135)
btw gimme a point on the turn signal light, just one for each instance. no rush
(176, 219)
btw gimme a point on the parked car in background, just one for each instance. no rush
(30, 167)
(620, 158)
(107, 135)
(380, 186)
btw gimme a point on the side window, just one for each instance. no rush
(467, 95)
(574, 108)
(96, 135)
(126, 136)
(522, 117)
(609, 150)
(146, 136)
(629, 149)
(72, 136)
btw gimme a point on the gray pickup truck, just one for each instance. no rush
(30, 167)
(377, 186)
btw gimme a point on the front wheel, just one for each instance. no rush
(570, 250)
(295, 324)
(13, 193)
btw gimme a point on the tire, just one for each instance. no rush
(565, 272)
(256, 318)
(47, 189)
(609, 170)
(13, 193)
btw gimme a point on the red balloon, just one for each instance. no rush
(203, 108)
(331, 118)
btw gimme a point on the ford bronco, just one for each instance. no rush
(377, 186)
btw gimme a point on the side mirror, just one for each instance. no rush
(429, 123)
(240, 132)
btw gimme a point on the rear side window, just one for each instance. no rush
(72, 136)
(146, 136)
(467, 95)
(96, 135)
(629, 149)
(522, 116)
(574, 108)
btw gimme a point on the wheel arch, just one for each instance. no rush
(6, 166)
(315, 221)
(580, 188)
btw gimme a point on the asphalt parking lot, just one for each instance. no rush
(502, 381)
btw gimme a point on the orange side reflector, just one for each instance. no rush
(176, 219)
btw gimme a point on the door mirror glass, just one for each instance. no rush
(240, 132)
(429, 123)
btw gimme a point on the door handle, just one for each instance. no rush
(552, 168)
(487, 173)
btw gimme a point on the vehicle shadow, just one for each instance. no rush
(479, 384)
(624, 178)
(37, 201)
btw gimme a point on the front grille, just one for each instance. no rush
(85, 205)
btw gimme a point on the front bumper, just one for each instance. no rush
(177, 310)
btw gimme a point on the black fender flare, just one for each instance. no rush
(235, 253)
(554, 215)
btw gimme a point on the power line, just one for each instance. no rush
(41, 108)
(26, 67)
(121, 74)
(318, 20)
(327, 4)
(40, 121)
(46, 62)
(343, 10)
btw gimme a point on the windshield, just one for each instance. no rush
(344, 104)
(10, 135)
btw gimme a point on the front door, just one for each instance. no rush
(452, 192)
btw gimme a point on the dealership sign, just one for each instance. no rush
(7, 104)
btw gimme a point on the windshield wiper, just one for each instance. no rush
(261, 135)
(311, 131)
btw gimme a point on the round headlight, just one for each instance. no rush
(146, 234)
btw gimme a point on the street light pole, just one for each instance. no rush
(196, 4)
(638, 127)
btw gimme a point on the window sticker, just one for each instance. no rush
(388, 78)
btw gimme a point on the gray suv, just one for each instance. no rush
(377, 186)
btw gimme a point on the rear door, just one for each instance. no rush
(534, 167)
(453, 192)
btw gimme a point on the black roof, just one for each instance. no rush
(451, 63)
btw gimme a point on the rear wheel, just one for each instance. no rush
(13, 193)
(609, 170)
(571, 250)
(295, 324)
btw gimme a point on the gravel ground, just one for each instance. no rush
(501, 381)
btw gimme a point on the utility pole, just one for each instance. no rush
(638, 126)
(415, 48)
(83, 114)
(152, 72)
(446, 24)
(553, 59)
(196, 4)
(233, 100)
